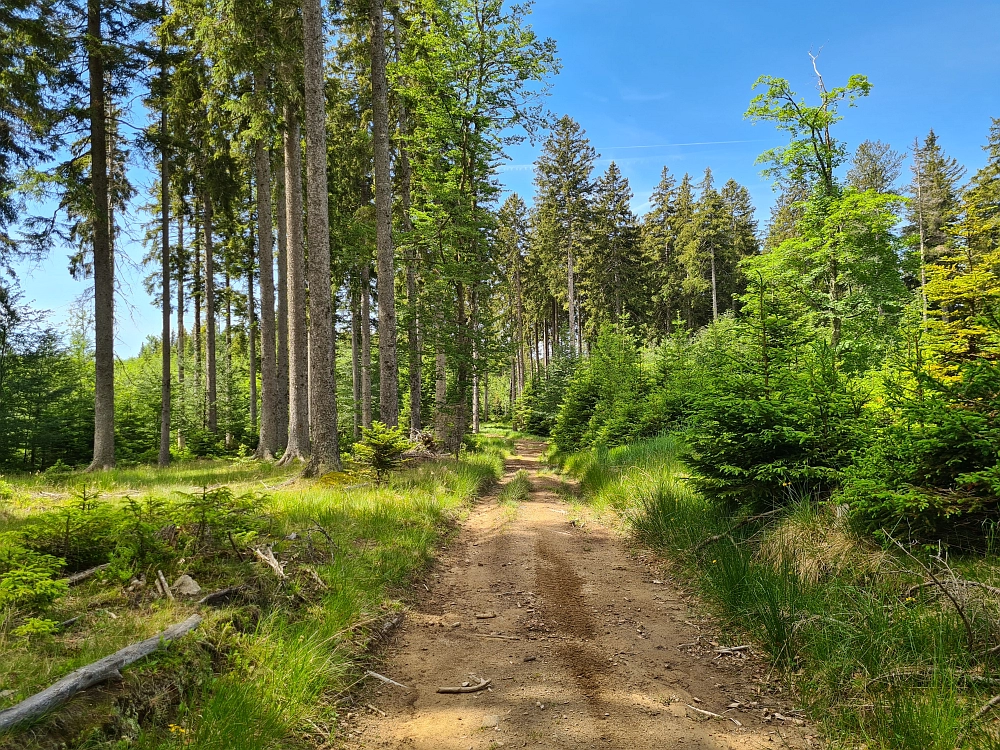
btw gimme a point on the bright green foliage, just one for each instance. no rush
(842, 270)
(812, 154)
(30, 588)
(536, 410)
(603, 404)
(380, 450)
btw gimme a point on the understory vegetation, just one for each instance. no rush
(312, 571)
(882, 654)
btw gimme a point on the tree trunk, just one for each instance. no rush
(322, 374)
(366, 347)
(388, 381)
(269, 440)
(181, 278)
(210, 381)
(486, 393)
(298, 394)
(519, 324)
(356, 355)
(230, 439)
(104, 261)
(164, 457)
(571, 297)
(412, 301)
(462, 373)
(715, 296)
(441, 396)
(475, 361)
(281, 377)
(252, 345)
(198, 292)
(545, 340)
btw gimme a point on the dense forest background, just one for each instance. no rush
(849, 346)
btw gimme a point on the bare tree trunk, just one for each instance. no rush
(181, 276)
(475, 361)
(366, 347)
(555, 328)
(104, 261)
(441, 396)
(298, 394)
(715, 296)
(486, 393)
(198, 292)
(210, 383)
(252, 345)
(281, 377)
(268, 443)
(164, 457)
(519, 323)
(230, 439)
(356, 356)
(579, 332)
(571, 296)
(412, 301)
(462, 373)
(545, 340)
(322, 353)
(388, 381)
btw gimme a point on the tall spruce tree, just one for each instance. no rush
(564, 186)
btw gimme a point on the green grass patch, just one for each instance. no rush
(516, 490)
(264, 671)
(878, 667)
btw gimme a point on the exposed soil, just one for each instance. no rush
(587, 646)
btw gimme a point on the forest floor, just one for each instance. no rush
(587, 644)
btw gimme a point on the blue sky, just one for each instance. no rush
(639, 75)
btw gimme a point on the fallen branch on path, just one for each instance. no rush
(703, 712)
(483, 684)
(385, 679)
(500, 637)
(92, 674)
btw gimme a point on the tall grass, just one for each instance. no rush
(879, 668)
(264, 673)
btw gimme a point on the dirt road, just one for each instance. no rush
(585, 646)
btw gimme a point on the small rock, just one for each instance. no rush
(186, 586)
(490, 722)
(4, 694)
(292, 537)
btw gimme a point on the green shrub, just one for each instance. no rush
(30, 588)
(84, 532)
(212, 515)
(380, 450)
(933, 471)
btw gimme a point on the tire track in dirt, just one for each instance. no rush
(586, 645)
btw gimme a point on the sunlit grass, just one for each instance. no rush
(265, 672)
(876, 667)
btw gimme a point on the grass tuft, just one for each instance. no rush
(874, 665)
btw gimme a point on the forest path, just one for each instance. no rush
(585, 647)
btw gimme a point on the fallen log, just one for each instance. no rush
(92, 674)
(83, 575)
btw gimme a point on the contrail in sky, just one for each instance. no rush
(665, 145)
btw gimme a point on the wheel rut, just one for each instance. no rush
(586, 644)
